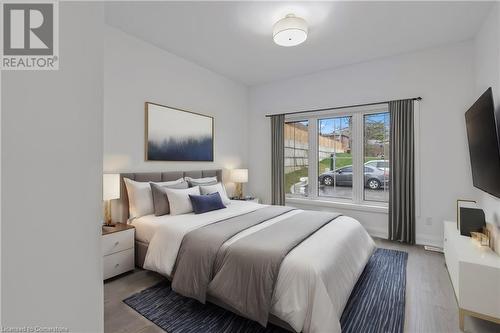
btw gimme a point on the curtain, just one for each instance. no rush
(402, 172)
(277, 160)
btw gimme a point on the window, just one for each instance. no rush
(351, 163)
(296, 158)
(376, 155)
(334, 153)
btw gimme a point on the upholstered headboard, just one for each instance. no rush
(156, 177)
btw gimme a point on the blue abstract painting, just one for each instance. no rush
(178, 135)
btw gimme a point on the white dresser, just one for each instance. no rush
(475, 274)
(117, 249)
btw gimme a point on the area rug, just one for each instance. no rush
(377, 304)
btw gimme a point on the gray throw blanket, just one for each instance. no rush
(193, 270)
(247, 270)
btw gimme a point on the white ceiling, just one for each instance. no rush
(234, 38)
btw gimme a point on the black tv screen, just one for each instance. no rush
(482, 133)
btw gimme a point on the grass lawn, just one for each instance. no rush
(293, 177)
(342, 160)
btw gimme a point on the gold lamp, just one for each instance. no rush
(239, 176)
(110, 191)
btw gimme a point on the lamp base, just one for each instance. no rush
(107, 214)
(238, 193)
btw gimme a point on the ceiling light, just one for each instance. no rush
(290, 31)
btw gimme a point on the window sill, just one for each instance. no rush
(374, 208)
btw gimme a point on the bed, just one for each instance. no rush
(314, 280)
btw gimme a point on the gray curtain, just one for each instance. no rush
(402, 172)
(278, 159)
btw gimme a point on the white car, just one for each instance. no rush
(379, 164)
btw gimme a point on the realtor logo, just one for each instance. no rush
(29, 36)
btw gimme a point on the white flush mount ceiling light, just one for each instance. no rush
(290, 31)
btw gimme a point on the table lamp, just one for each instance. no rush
(110, 191)
(239, 176)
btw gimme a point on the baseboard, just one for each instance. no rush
(436, 241)
(420, 239)
(377, 233)
(433, 248)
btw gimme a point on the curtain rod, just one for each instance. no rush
(339, 107)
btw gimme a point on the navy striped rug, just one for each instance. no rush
(377, 304)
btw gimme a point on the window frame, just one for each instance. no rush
(357, 114)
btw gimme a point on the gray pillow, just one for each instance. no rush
(160, 198)
(201, 181)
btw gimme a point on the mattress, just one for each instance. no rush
(146, 226)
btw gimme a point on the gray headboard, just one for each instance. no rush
(156, 177)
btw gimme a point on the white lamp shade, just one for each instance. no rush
(239, 175)
(110, 186)
(290, 31)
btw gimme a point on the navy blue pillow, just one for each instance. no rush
(206, 203)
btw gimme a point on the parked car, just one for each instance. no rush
(375, 178)
(381, 164)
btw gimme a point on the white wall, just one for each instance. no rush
(135, 72)
(442, 76)
(0, 201)
(51, 180)
(487, 70)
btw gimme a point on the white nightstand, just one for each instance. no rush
(249, 199)
(117, 249)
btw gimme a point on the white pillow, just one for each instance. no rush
(179, 199)
(201, 181)
(140, 198)
(209, 189)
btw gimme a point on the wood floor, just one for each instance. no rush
(430, 302)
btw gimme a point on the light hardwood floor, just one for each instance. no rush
(430, 302)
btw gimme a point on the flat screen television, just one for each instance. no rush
(482, 134)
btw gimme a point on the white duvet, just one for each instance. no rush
(315, 279)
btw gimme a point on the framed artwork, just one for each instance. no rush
(177, 135)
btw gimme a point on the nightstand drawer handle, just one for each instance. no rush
(116, 266)
(116, 244)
